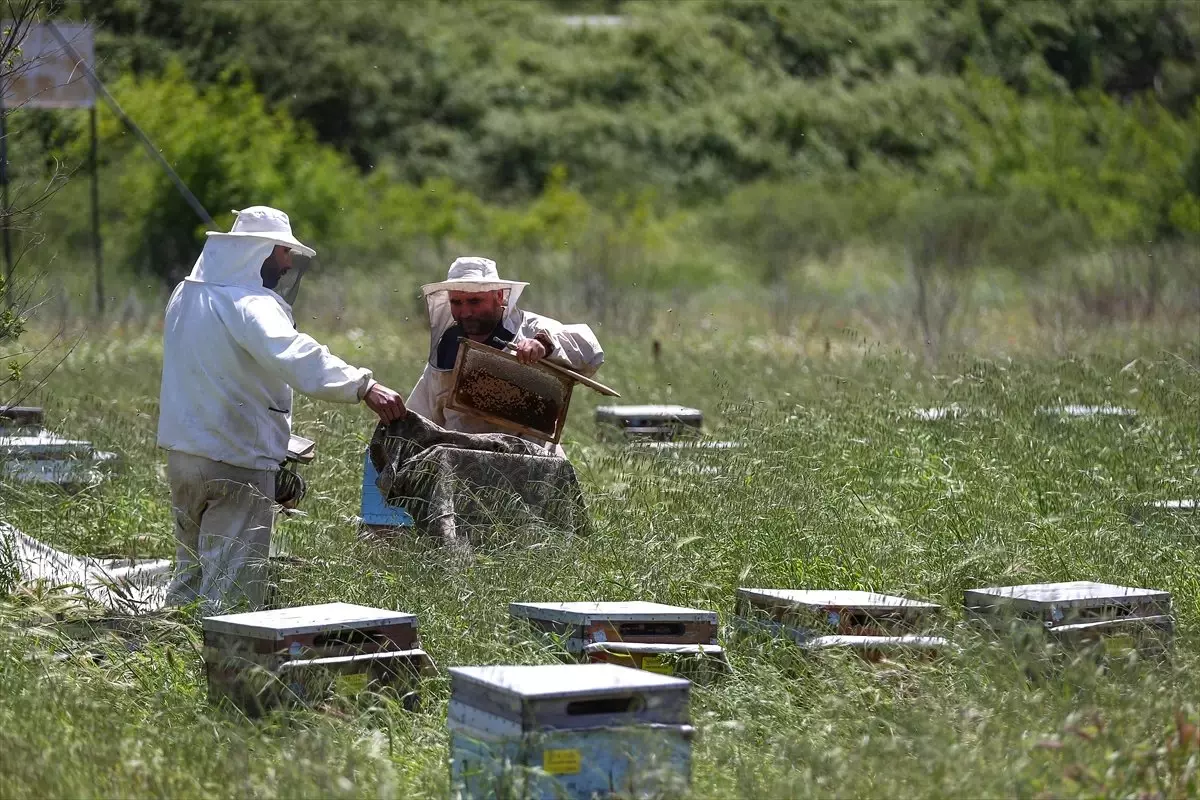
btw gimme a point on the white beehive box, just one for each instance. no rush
(568, 731)
(1166, 509)
(1078, 612)
(39, 456)
(869, 623)
(652, 636)
(1075, 411)
(265, 658)
(661, 422)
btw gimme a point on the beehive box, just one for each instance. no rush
(665, 422)
(302, 654)
(878, 648)
(652, 636)
(568, 731)
(528, 399)
(1165, 509)
(22, 417)
(1074, 411)
(1078, 612)
(805, 614)
(31, 455)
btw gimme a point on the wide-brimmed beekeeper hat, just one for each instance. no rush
(264, 222)
(475, 274)
(466, 274)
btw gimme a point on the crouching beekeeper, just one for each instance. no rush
(231, 357)
(474, 302)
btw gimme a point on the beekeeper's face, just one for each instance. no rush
(276, 266)
(477, 312)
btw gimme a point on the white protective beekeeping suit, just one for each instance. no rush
(231, 357)
(573, 344)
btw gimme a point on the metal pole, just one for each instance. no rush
(96, 243)
(4, 210)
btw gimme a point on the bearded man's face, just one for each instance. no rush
(477, 312)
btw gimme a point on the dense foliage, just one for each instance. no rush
(827, 117)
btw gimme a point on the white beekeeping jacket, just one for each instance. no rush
(231, 356)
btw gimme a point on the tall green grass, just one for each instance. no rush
(837, 488)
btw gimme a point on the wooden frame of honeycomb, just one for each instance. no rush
(493, 385)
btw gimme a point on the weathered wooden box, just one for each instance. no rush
(528, 399)
(655, 422)
(303, 654)
(568, 731)
(1078, 613)
(651, 636)
(868, 623)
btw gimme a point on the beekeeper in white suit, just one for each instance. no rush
(476, 303)
(231, 357)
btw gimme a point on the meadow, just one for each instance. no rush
(838, 487)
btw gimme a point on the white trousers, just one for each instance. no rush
(223, 517)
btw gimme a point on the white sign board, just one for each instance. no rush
(46, 74)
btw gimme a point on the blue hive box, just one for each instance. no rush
(568, 731)
(374, 510)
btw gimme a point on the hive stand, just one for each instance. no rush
(876, 626)
(650, 636)
(568, 731)
(263, 659)
(1078, 614)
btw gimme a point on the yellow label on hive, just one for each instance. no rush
(657, 664)
(561, 762)
(351, 684)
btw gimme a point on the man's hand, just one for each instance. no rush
(384, 402)
(530, 350)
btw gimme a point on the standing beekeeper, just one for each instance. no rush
(476, 303)
(231, 357)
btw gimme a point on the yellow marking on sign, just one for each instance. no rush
(658, 664)
(351, 683)
(561, 762)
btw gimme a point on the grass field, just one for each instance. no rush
(837, 488)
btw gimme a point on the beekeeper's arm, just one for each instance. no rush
(264, 330)
(573, 344)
